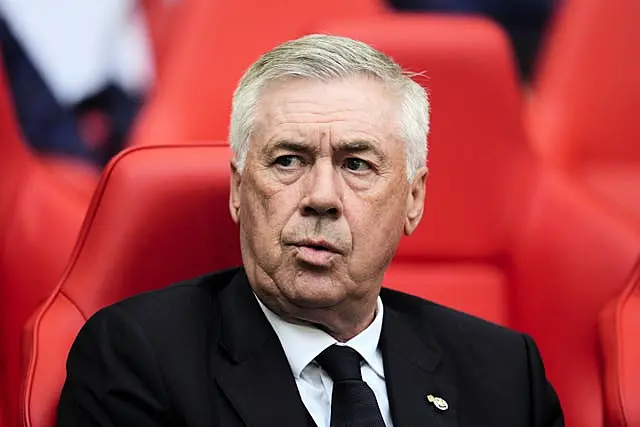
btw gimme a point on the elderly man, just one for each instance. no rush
(329, 137)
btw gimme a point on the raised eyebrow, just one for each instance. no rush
(359, 146)
(293, 146)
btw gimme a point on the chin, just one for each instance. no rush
(313, 291)
(312, 302)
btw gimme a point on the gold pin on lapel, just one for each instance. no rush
(438, 402)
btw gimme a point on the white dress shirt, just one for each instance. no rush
(303, 343)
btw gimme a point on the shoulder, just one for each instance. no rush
(423, 312)
(458, 334)
(168, 311)
(188, 294)
(490, 364)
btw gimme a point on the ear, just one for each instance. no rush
(234, 193)
(415, 201)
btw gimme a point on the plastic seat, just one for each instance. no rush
(582, 121)
(619, 329)
(214, 42)
(582, 114)
(160, 215)
(42, 204)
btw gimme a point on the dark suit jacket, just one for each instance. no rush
(202, 354)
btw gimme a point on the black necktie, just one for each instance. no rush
(353, 403)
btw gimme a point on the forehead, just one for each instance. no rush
(312, 111)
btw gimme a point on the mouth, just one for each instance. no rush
(316, 253)
(318, 245)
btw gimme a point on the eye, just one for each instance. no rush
(289, 161)
(357, 165)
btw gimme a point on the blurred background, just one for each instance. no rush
(533, 216)
(79, 73)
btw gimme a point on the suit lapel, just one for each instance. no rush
(411, 368)
(252, 368)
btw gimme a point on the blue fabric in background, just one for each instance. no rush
(49, 127)
(46, 125)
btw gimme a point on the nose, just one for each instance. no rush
(323, 194)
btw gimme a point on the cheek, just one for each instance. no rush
(377, 226)
(374, 243)
(265, 211)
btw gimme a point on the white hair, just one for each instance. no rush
(323, 57)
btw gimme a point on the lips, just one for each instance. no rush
(317, 253)
(320, 245)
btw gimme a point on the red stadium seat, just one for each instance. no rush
(213, 44)
(583, 111)
(42, 205)
(160, 215)
(619, 330)
(582, 120)
(493, 212)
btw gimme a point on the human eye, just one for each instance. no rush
(355, 164)
(288, 161)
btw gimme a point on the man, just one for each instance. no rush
(330, 147)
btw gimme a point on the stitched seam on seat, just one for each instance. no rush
(25, 407)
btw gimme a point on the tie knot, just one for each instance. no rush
(341, 363)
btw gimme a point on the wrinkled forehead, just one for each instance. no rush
(356, 109)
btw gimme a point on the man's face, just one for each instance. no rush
(323, 198)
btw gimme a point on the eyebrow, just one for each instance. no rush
(359, 146)
(289, 146)
(348, 146)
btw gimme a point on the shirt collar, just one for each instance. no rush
(302, 343)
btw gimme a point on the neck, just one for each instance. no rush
(342, 323)
(344, 331)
